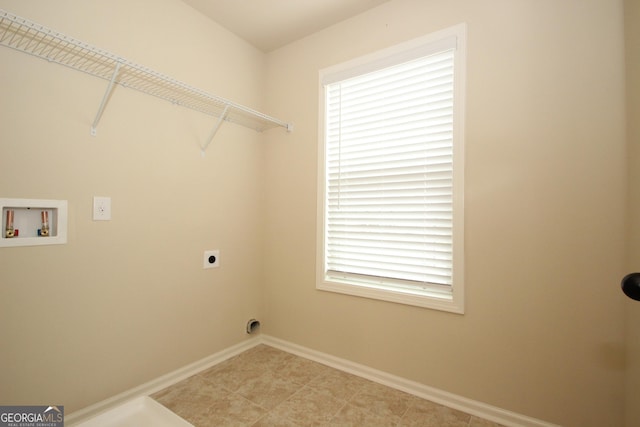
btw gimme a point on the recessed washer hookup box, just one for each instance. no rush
(33, 222)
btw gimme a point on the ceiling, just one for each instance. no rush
(270, 24)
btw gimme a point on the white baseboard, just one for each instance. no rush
(473, 407)
(160, 382)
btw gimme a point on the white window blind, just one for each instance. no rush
(389, 176)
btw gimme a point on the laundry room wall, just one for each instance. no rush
(127, 300)
(545, 193)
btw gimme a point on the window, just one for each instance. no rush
(391, 169)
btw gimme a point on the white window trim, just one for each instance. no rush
(453, 300)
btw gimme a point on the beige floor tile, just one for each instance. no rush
(383, 401)
(352, 416)
(231, 374)
(203, 419)
(302, 370)
(187, 409)
(268, 389)
(271, 420)
(229, 410)
(195, 390)
(246, 366)
(339, 384)
(265, 386)
(428, 414)
(479, 422)
(265, 358)
(309, 407)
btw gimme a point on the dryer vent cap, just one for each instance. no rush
(253, 326)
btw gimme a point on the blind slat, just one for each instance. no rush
(389, 172)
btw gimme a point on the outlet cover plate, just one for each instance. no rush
(102, 208)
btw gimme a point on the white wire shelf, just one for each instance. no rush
(28, 37)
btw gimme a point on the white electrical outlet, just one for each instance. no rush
(102, 208)
(211, 259)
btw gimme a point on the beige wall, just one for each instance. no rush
(632, 39)
(545, 196)
(127, 300)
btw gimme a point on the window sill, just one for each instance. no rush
(436, 301)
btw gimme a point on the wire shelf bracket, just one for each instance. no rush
(222, 117)
(34, 39)
(105, 99)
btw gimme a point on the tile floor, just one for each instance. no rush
(265, 386)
